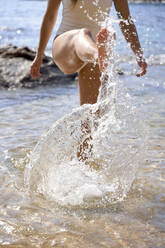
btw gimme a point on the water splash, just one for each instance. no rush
(114, 150)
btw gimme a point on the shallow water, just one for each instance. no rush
(33, 221)
(37, 220)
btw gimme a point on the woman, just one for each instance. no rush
(80, 45)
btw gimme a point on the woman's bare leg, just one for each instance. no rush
(74, 48)
(89, 84)
(70, 51)
(89, 76)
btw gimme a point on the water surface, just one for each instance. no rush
(29, 220)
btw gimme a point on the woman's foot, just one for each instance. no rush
(103, 37)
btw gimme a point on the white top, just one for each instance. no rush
(88, 14)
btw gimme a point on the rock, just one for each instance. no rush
(15, 69)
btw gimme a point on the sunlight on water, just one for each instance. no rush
(114, 148)
(126, 148)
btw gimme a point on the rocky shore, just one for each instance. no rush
(15, 68)
(15, 65)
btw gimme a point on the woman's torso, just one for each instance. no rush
(85, 14)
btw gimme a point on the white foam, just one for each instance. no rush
(107, 176)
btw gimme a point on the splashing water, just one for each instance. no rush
(114, 150)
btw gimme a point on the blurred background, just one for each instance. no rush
(20, 24)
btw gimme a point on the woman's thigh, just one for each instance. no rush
(64, 54)
(89, 84)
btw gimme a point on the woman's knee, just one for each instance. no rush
(66, 66)
(65, 53)
(66, 59)
(60, 58)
